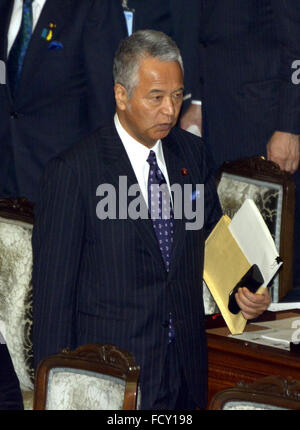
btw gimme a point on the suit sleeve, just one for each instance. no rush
(10, 392)
(57, 242)
(287, 16)
(186, 22)
(105, 28)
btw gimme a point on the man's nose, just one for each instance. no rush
(168, 107)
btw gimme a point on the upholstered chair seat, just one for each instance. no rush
(71, 390)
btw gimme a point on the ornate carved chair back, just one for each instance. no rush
(92, 377)
(268, 393)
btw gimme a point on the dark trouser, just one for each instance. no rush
(174, 393)
(10, 393)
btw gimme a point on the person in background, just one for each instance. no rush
(250, 87)
(58, 86)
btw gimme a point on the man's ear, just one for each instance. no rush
(121, 96)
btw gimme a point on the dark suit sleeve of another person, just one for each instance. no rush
(287, 17)
(10, 392)
(104, 29)
(57, 244)
(186, 21)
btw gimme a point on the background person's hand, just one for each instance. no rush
(192, 117)
(284, 149)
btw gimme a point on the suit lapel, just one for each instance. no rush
(56, 12)
(118, 164)
(6, 7)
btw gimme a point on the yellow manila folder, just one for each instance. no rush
(224, 265)
(230, 250)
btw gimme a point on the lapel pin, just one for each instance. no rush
(47, 33)
(184, 171)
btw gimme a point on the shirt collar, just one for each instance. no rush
(39, 3)
(136, 149)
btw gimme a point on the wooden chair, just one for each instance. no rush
(92, 377)
(273, 191)
(268, 393)
(16, 223)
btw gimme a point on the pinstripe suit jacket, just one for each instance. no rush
(105, 281)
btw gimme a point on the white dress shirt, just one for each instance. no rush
(16, 19)
(138, 154)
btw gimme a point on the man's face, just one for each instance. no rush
(155, 103)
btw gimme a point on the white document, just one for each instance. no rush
(276, 333)
(280, 336)
(275, 307)
(266, 338)
(254, 238)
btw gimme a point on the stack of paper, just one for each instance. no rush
(254, 238)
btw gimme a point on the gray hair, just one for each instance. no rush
(140, 45)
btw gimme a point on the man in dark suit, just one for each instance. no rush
(59, 56)
(104, 271)
(250, 101)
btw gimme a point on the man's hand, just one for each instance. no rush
(284, 149)
(252, 305)
(192, 116)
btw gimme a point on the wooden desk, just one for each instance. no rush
(231, 360)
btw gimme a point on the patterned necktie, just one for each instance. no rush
(19, 48)
(160, 209)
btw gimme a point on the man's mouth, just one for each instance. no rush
(164, 126)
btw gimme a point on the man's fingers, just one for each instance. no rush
(251, 304)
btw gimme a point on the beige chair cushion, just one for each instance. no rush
(16, 297)
(249, 406)
(70, 389)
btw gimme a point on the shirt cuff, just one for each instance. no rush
(196, 102)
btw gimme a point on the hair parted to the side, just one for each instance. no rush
(133, 49)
